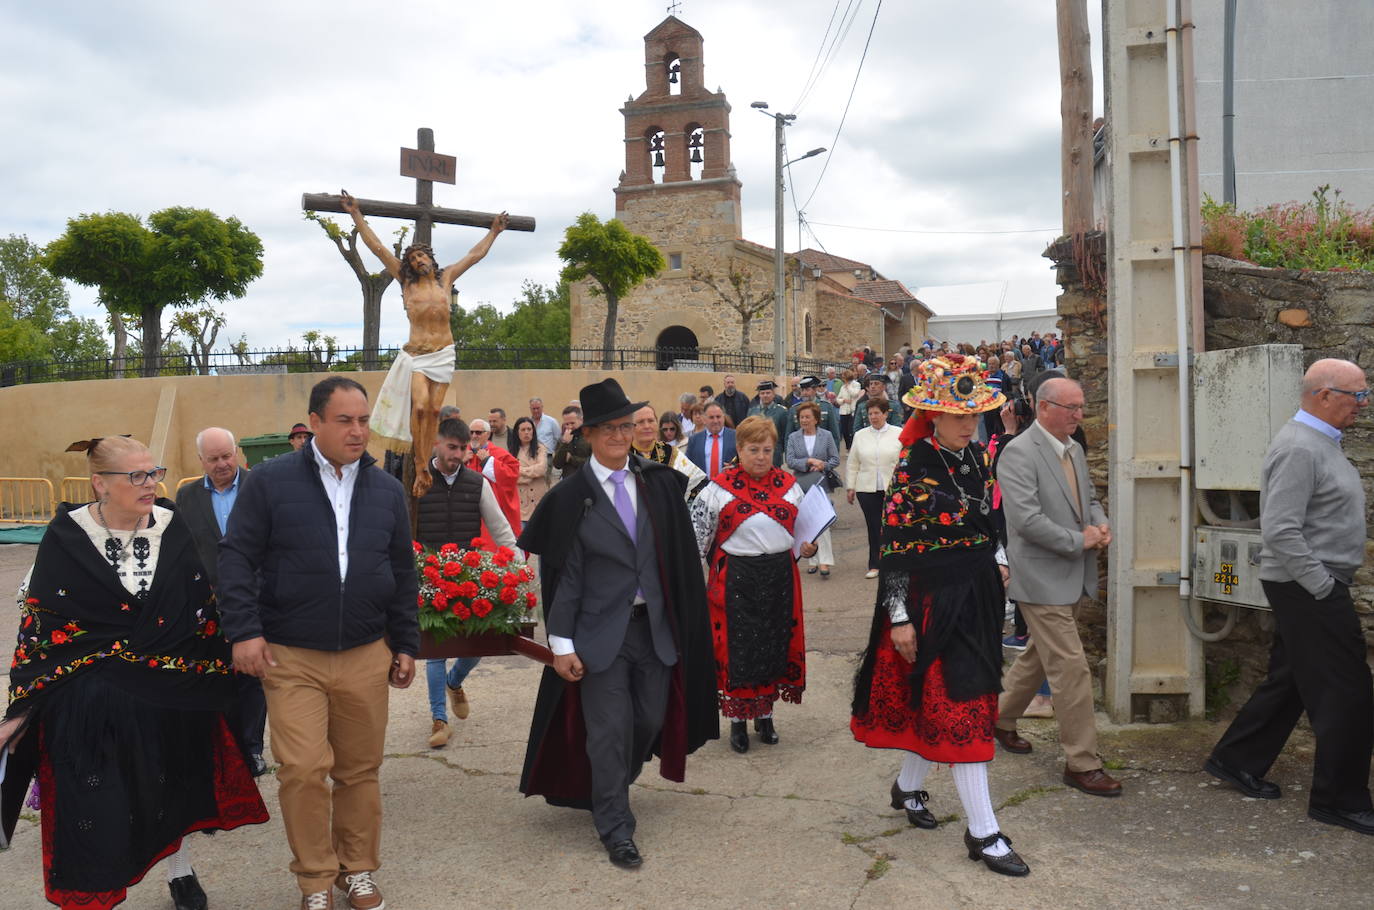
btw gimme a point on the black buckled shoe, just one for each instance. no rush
(763, 726)
(922, 817)
(739, 736)
(1006, 864)
(625, 854)
(187, 894)
(1247, 783)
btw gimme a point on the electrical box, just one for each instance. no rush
(1226, 564)
(1241, 397)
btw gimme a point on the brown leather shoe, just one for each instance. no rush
(458, 703)
(1095, 782)
(1011, 741)
(438, 736)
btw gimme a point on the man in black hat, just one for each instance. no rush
(625, 609)
(830, 418)
(769, 407)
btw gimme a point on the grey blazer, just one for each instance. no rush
(825, 450)
(600, 577)
(1045, 552)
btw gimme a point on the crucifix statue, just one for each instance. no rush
(406, 412)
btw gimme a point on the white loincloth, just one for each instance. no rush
(391, 414)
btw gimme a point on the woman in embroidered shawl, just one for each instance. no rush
(117, 692)
(744, 520)
(928, 682)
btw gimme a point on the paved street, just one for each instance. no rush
(802, 824)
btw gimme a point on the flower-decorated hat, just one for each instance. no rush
(953, 384)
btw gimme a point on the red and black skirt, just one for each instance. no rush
(755, 607)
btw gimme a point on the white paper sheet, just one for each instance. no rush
(814, 515)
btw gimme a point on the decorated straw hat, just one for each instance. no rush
(953, 384)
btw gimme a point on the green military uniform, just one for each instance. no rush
(830, 420)
(778, 414)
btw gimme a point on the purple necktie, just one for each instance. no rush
(622, 502)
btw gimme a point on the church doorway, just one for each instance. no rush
(677, 342)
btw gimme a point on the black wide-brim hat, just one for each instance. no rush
(605, 400)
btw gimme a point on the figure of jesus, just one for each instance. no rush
(407, 410)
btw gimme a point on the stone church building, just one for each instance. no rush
(679, 189)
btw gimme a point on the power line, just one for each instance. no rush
(806, 86)
(836, 141)
(851, 12)
(860, 227)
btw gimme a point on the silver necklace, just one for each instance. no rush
(122, 547)
(964, 498)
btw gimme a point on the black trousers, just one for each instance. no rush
(1318, 665)
(847, 429)
(248, 718)
(623, 707)
(872, 505)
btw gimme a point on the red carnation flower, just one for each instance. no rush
(431, 560)
(431, 574)
(502, 559)
(419, 600)
(508, 595)
(449, 549)
(472, 558)
(469, 589)
(440, 602)
(490, 579)
(450, 589)
(416, 545)
(481, 606)
(452, 569)
(462, 611)
(511, 578)
(530, 599)
(527, 574)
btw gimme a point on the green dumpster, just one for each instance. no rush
(258, 449)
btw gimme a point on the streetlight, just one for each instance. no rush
(779, 291)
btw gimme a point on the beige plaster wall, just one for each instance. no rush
(41, 420)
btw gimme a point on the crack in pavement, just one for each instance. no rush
(449, 764)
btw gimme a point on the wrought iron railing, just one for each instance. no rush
(223, 363)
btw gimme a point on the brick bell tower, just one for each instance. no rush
(677, 147)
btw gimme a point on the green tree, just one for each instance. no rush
(181, 258)
(373, 284)
(540, 318)
(616, 261)
(36, 321)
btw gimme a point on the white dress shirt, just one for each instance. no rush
(757, 535)
(339, 491)
(557, 643)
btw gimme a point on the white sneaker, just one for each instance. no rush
(871, 573)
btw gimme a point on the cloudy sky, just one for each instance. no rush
(239, 108)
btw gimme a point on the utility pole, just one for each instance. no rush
(779, 254)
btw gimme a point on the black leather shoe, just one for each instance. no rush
(763, 726)
(1007, 864)
(256, 766)
(739, 736)
(1362, 821)
(1243, 781)
(187, 894)
(922, 817)
(625, 854)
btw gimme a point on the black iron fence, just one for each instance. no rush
(225, 363)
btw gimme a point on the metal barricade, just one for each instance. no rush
(77, 489)
(26, 500)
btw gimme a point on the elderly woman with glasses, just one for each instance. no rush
(117, 693)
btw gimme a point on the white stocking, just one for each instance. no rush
(912, 776)
(971, 780)
(179, 863)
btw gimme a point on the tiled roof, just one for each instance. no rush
(827, 263)
(883, 291)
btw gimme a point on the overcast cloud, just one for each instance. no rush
(239, 108)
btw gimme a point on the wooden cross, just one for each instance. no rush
(426, 166)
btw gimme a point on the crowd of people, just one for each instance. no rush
(158, 639)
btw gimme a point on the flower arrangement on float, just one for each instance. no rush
(480, 592)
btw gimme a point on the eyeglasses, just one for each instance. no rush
(140, 478)
(1076, 408)
(617, 429)
(1361, 396)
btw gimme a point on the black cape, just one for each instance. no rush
(556, 765)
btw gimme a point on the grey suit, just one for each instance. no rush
(825, 450)
(249, 714)
(1052, 576)
(626, 650)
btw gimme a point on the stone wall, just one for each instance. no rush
(1330, 314)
